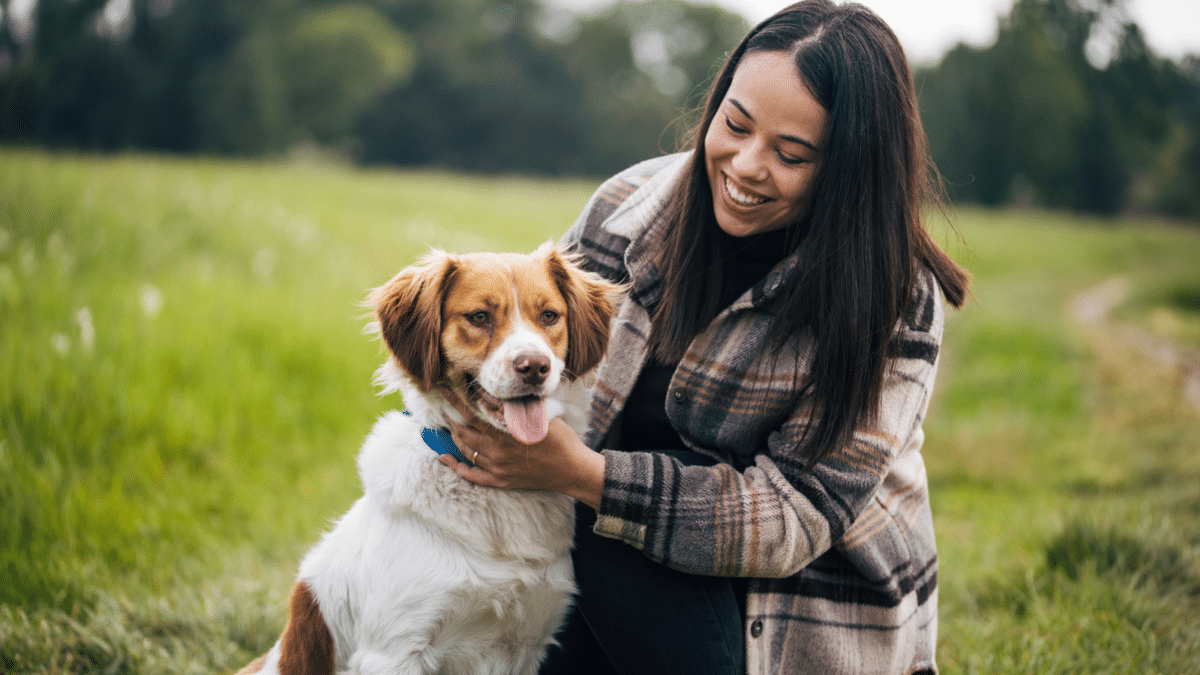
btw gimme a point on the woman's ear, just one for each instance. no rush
(409, 311)
(591, 305)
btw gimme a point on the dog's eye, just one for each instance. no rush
(549, 317)
(478, 318)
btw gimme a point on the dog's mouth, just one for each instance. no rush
(524, 416)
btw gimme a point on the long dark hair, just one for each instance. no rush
(862, 238)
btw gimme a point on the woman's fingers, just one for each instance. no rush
(491, 454)
(478, 446)
(474, 474)
(468, 437)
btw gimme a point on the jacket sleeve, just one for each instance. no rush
(773, 519)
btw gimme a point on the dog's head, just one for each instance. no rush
(501, 330)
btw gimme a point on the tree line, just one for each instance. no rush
(476, 85)
(1068, 109)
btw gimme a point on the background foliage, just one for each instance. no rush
(1068, 109)
(472, 84)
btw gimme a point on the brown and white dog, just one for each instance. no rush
(428, 573)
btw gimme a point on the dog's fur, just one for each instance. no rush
(428, 573)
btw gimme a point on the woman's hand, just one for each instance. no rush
(559, 462)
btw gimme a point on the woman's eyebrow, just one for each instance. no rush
(741, 107)
(786, 137)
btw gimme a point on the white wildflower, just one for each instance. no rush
(87, 329)
(152, 300)
(61, 343)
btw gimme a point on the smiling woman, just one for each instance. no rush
(762, 159)
(760, 501)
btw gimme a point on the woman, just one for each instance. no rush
(759, 502)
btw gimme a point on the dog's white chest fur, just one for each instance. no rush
(428, 573)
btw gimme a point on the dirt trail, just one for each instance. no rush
(1092, 308)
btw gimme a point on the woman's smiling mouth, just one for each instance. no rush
(740, 197)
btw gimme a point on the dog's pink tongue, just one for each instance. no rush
(526, 419)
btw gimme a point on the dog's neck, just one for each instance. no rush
(428, 408)
(440, 441)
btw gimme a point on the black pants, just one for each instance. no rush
(636, 616)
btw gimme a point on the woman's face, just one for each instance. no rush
(763, 149)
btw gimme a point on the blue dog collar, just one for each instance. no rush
(438, 439)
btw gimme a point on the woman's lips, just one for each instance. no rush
(739, 197)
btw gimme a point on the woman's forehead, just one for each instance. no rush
(767, 87)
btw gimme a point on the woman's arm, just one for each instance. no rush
(775, 518)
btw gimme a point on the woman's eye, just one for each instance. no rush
(734, 128)
(478, 318)
(792, 161)
(549, 317)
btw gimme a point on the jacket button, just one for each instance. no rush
(679, 394)
(756, 628)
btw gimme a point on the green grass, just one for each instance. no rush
(162, 478)
(1063, 465)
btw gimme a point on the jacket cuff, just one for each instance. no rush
(627, 496)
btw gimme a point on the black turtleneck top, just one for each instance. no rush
(644, 424)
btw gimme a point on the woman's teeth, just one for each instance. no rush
(742, 198)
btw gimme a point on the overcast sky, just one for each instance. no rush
(928, 28)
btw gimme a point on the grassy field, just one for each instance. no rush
(184, 383)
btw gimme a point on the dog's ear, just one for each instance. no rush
(409, 311)
(591, 305)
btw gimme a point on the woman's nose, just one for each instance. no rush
(748, 162)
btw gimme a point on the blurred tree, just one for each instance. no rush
(512, 85)
(241, 99)
(217, 75)
(1069, 108)
(649, 65)
(298, 74)
(484, 85)
(43, 95)
(1066, 109)
(83, 81)
(338, 58)
(488, 93)
(1177, 175)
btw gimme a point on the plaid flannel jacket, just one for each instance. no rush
(842, 558)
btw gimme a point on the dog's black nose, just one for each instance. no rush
(532, 368)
